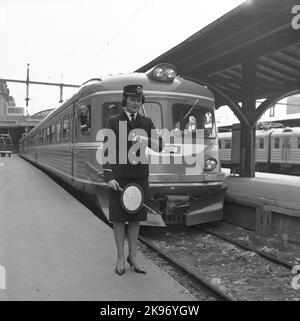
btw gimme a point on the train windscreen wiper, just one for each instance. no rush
(189, 111)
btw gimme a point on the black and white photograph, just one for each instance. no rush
(149, 154)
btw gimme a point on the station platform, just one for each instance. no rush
(268, 203)
(283, 190)
(54, 248)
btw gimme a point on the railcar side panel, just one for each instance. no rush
(276, 150)
(68, 144)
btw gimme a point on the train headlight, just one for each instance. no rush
(158, 73)
(163, 72)
(210, 164)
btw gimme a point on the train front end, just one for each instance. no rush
(185, 178)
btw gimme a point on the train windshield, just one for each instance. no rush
(185, 115)
(154, 111)
(192, 116)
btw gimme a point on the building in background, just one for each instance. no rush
(7, 103)
(12, 118)
(293, 105)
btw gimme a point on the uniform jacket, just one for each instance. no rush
(130, 170)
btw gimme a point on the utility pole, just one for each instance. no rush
(61, 90)
(27, 89)
(27, 82)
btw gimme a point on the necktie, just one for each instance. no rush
(132, 119)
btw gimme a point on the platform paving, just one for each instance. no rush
(281, 190)
(54, 248)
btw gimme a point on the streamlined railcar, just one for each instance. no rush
(185, 181)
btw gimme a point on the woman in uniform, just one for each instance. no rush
(122, 173)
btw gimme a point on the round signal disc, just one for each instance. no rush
(132, 198)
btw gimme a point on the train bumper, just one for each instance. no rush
(182, 209)
(207, 208)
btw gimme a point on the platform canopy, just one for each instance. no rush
(250, 53)
(258, 31)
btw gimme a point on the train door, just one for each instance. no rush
(286, 150)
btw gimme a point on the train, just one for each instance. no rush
(185, 185)
(277, 150)
(6, 145)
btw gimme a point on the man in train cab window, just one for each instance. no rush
(123, 173)
(85, 121)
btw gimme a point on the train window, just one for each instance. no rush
(66, 128)
(210, 128)
(220, 144)
(298, 143)
(45, 136)
(41, 140)
(48, 135)
(276, 143)
(261, 143)
(58, 131)
(153, 110)
(227, 143)
(52, 133)
(84, 115)
(110, 109)
(194, 117)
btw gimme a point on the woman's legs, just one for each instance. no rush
(119, 233)
(133, 234)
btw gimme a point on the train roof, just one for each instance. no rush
(118, 81)
(287, 131)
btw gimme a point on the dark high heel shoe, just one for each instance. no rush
(135, 269)
(119, 271)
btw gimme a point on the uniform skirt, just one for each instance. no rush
(116, 211)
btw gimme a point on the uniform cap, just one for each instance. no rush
(133, 90)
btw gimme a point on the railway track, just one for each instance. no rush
(263, 254)
(228, 269)
(195, 277)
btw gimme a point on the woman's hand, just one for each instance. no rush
(114, 185)
(142, 139)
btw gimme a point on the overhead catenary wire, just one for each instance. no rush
(119, 31)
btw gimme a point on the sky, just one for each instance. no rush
(71, 41)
